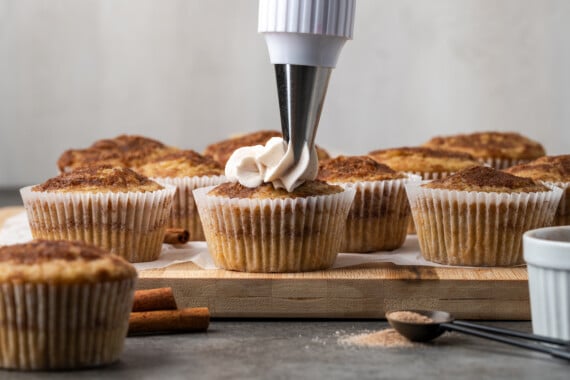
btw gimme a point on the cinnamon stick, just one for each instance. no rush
(154, 299)
(176, 236)
(194, 319)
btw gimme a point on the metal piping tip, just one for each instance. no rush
(301, 91)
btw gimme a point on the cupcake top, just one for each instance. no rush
(547, 168)
(488, 180)
(423, 159)
(184, 163)
(490, 145)
(57, 261)
(123, 150)
(267, 191)
(355, 169)
(221, 151)
(99, 179)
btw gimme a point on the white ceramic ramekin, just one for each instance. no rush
(547, 254)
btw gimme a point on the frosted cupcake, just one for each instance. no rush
(499, 150)
(554, 170)
(477, 216)
(114, 208)
(379, 216)
(64, 305)
(273, 217)
(187, 170)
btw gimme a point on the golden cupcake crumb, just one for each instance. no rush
(485, 179)
(423, 159)
(221, 151)
(184, 163)
(547, 168)
(61, 261)
(99, 179)
(355, 169)
(490, 144)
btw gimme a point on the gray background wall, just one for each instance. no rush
(191, 72)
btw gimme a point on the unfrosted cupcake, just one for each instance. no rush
(221, 151)
(499, 150)
(477, 216)
(114, 208)
(63, 305)
(426, 162)
(264, 229)
(379, 216)
(187, 170)
(124, 150)
(554, 170)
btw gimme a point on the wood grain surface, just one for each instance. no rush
(364, 291)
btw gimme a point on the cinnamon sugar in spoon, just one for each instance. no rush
(426, 325)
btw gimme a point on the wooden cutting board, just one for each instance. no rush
(364, 291)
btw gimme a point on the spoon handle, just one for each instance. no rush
(561, 354)
(518, 334)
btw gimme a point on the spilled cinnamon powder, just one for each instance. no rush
(388, 338)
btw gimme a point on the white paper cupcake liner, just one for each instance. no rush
(184, 213)
(379, 216)
(502, 163)
(63, 326)
(477, 228)
(427, 176)
(130, 225)
(274, 235)
(562, 217)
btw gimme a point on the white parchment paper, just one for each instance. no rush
(17, 230)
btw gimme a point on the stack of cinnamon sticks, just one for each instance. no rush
(155, 310)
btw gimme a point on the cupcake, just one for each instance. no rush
(221, 151)
(425, 162)
(379, 216)
(554, 170)
(63, 305)
(124, 150)
(499, 150)
(266, 229)
(114, 208)
(186, 170)
(477, 216)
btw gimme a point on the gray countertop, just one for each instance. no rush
(308, 349)
(264, 349)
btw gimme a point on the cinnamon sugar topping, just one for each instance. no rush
(99, 179)
(547, 168)
(355, 169)
(485, 179)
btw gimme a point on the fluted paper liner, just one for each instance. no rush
(130, 225)
(379, 216)
(477, 228)
(562, 217)
(184, 213)
(501, 163)
(274, 235)
(63, 326)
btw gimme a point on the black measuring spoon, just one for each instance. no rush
(443, 321)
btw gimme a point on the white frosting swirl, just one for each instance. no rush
(253, 165)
